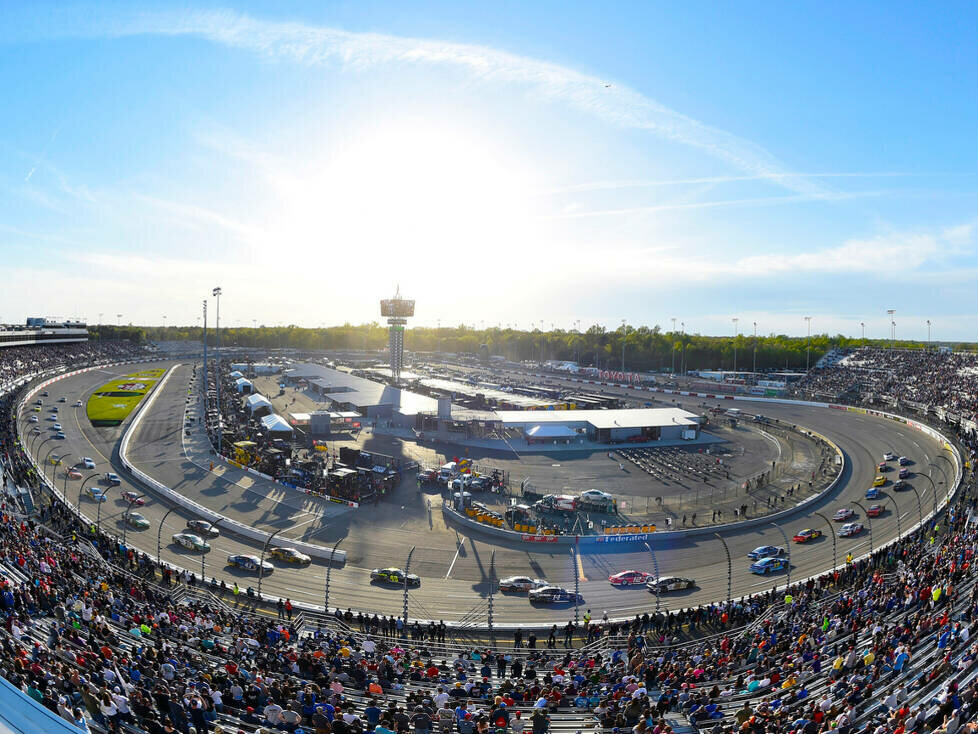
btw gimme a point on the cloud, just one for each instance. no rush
(618, 104)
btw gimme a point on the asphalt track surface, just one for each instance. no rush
(455, 569)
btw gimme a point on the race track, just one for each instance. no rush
(455, 569)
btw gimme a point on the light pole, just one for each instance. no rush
(682, 337)
(118, 318)
(655, 567)
(920, 506)
(492, 589)
(869, 525)
(831, 535)
(407, 568)
(808, 344)
(205, 390)
(159, 534)
(125, 517)
(261, 561)
(217, 371)
(754, 368)
(673, 350)
(729, 568)
(735, 320)
(928, 332)
(64, 487)
(577, 585)
(624, 333)
(940, 468)
(787, 549)
(890, 312)
(164, 325)
(329, 567)
(896, 508)
(933, 489)
(80, 490)
(863, 324)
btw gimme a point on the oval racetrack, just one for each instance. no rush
(455, 572)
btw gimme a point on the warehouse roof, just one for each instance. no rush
(625, 418)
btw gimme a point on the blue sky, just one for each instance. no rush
(505, 163)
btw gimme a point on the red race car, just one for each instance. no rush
(874, 510)
(807, 534)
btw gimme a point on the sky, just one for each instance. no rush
(503, 163)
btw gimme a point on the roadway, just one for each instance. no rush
(455, 569)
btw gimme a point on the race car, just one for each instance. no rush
(112, 479)
(669, 583)
(767, 551)
(191, 542)
(629, 578)
(842, 515)
(803, 536)
(904, 473)
(74, 474)
(874, 510)
(900, 484)
(520, 583)
(204, 528)
(873, 493)
(35, 431)
(32, 419)
(60, 434)
(88, 463)
(394, 576)
(78, 403)
(137, 521)
(57, 427)
(904, 461)
(889, 456)
(249, 563)
(290, 555)
(850, 528)
(96, 494)
(133, 498)
(768, 565)
(553, 595)
(882, 467)
(879, 481)
(44, 394)
(62, 399)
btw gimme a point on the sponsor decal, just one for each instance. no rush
(641, 537)
(539, 538)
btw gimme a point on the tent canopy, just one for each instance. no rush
(276, 424)
(256, 401)
(236, 374)
(551, 431)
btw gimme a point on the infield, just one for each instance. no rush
(112, 402)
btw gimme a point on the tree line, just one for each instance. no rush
(638, 349)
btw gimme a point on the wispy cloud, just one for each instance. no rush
(616, 104)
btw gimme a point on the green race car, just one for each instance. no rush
(394, 576)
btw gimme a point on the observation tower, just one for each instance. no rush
(397, 310)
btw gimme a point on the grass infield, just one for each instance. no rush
(112, 403)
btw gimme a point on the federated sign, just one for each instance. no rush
(639, 538)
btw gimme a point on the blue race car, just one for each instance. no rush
(873, 493)
(768, 565)
(766, 551)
